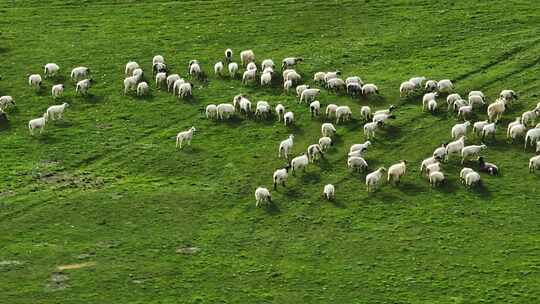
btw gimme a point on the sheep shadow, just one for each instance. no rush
(310, 177)
(392, 132)
(410, 188)
(481, 191)
(91, 98)
(336, 203)
(62, 124)
(57, 79)
(272, 209)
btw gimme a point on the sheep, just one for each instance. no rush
(251, 66)
(489, 130)
(280, 177)
(516, 121)
(374, 178)
(299, 162)
(143, 89)
(479, 126)
(471, 151)
(463, 173)
(517, 131)
(287, 85)
(79, 73)
(5, 102)
(266, 79)
(159, 68)
(285, 146)
(496, 109)
(211, 111)
(138, 73)
(280, 111)
(309, 95)
(534, 163)
(300, 89)
(359, 153)
(185, 136)
(343, 113)
(459, 130)
(262, 195)
(158, 59)
(330, 110)
(532, 136)
(427, 97)
(426, 162)
(195, 70)
(56, 111)
(435, 167)
(454, 147)
(249, 75)
(161, 79)
(508, 96)
(436, 178)
(218, 68)
(472, 179)
(228, 55)
(171, 79)
(451, 99)
(314, 152)
(83, 86)
(288, 118)
(325, 143)
(432, 106)
(477, 93)
(130, 83)
(34, 80)
(360, 147)
(354, 79)
(529, 117)
(329, 192)
(431, 85)
(262, 109)
(396, 171)
(385, 111)
(233, 69)
(465, 112)
(486, 167)
(319, 77)
(445, 86)
(38, 123)
(336, 84)
(286, 72)
(369, 89)
(537, 147)
(365, 113)
(245, 105)
(267, 63)
(354, 89)
(370, 128)
(290, 62)
(185, 90)
(417, 81)
(331, 75)
(176, 86)
(328, 129)
(440, 152)
(225, 110)
(57, 90)
(246, 57)
(382, 118)
(293, 77)
(406, 88)
(315, 108)
(476, 100)
(50, 70)
(357, 163)
(459, 103)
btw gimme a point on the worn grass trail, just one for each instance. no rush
(106, 188)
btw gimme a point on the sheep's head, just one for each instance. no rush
(382, 169)
(193, 129)
(483, 146)
(66, 104)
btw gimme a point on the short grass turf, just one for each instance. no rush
(107, 188)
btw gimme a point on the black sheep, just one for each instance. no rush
(489, 168)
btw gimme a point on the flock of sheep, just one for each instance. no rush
(522, 127)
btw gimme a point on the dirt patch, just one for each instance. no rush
(7, 193)
(57, 281)
(188, 250)
(75, 266)
(104, 126)
(67, 180)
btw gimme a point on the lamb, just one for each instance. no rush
(476, 100)
(211, 111)
(327, 130)
(534, 163)
(369, 89)
(290, 62)
(266, 79)
(249, 75)
(171, 80)
(529, 117)
(159, 68)
(479, 126)
(451, 99)
(472, 179)
(158, 59)
(143, 89)
(496, 110)
(280, 177)
(301, 88)
(325, 143)
(285, 146)
(354, 89)
(509, 96)
(251, 66)
(374, 178)
(83, 86)
(516, 121)
(459, 130)
(280, 111)
(357, 163)
(406, 88)
(185, 90)
(228, 55)
(330, 110)
(34, 80)
(365, 112)
(516, 131)
(6, 101)
(246, 57)
(455, 147)
(287, 85)
(426, 162)
(176, 86)
(50, 70)
(427, 97)
(471, 151)
(288, 118)
(319, 77)
(79, 73)
(463, 173)
(263, 109)
(225, 110)
(329, 192)
(218, 68)
(431, 85)
(336, 84)
(532, 136)
(57, 90)
(56, 111)
(314, 152)
(267, 63)
(445, 86)
(436, 178)
(299, 162)
(432, 106)
(396, 171)
(465, 112)
(38, 123)
(185, 136)
(440, 152)
(130, 83)
(489, 168)
(417, 81)
(233, 69)
(315, 108)
(262, 195)
(489, 130)
(343, 113)
(370, 128)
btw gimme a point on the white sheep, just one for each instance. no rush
(381, 118)
(532, 137)
(249, 75)
(354, 89)
(251, 66)
(463, 173)
(280, 111)
(280, 176)
(79, 73)
(427, 97)
(287, 85)
(267, 63)
(329, 192)
(315, 108)
(534, 163)
(299, 162)
(301, 88)
(288, 118)
(451, 99)
(465, 112)
(233, 69)
(370, 128)
(529, 117)
(161, 80)
(185, 90)
(143, 89)
(479, 126)
(130, 67)
(225, 110)
(83, 86)
(266, 79)
(331, 110)
(5, 102)
(262, 109)
(211, 111)
(357, 163)
(262, 195)
(374, 179)
(159, 68)
(509, 96)
(218, 68)
(406, 88)
(489, 130)
(286, 72)
(496, 110)
(436, 178)
(455, 147)
(130, 83)
(472, 179)
(537, 147)
(228, 55)
(245, 105)
(432, 106)
(328, 130)
(426, 162)
(459, 103)
(336, 84)
(516, 121)
(38, 123)
(57, 90)
(56, 111)
(294, 77)
(50, 70)
(290, 62)
(331, 75)
(176, 86)
(516, 131)
(445, 86)
(476, 101)
(365, 112)
(354, 79)
(360, 147)
(435, 167)
(417, 81)
(246, 57)
(195, 70)
(396, 172)
(440, 152)
(325, 143)
(285, 146)
(319, 77)
(158, 59)
(459, 130)
(369, 89)
(431, 85)
(185, 136)
(34, 80)
(471, 151)
(138, 73)
(343, 113)
(314, 152)
(171, 79)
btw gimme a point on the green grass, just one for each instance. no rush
(107, 185)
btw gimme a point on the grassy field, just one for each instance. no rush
(106, 188)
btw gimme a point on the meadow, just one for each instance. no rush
(101, 208)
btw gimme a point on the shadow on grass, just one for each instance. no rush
(91, 98)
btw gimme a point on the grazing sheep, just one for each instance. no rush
(159, 68)
(249, 75)
(79, 73)
(496, 110)
(211, 111)
(285, 146)
(369, 89)
(325, 143)
(417, 81)
(245, 105)
(328, 130)
(176, 86)
(286, 72)
(331, 75)
(354, 79)
(336, 85)
(406, 88)
(319, 77)
(34, 80)
(130, 83)
(459, 103)
(472, 179)
(463, 173)
(360, 147)
(314, 152)
(370, 128)
(262, 195)
(489, 130)
(218, 68)
(225, 110)
(354, 89)
(374, 179)
(476, 101)
(357, 163)
(451, 99)
(445, 86)
(143, 89)
(267, 63)
(433, 168)
(455, 147)
(195, 70)
(171, 80)
(57, 90)
(426, 162)
(529, 117)
(185, 90)
(287, 85)
(459, 130)
(489, 168)
(251, 66)
(309, 95)
(534, 163)
(427, 97)
(56, 111)
(233, 69)
(294, 77)
(246, 57)
(465, 112)
(532, 136)
(185, 136)
(290, 62)
(83, 86)
(381, 118)
(436, 178)
(432, 106)
(138, 73)
(365, 112)
(228, 55)
(516, 121)
(280, 111)
(161, 80)
(158, 59)
(50, 70)
(343, 113)
(440, 152)
(386, 111)
(299, 162)
(479, 126)
(516, 131)
(315, 108)
(300, 89)
(471, 151)
(6, 101)
(477, 93)
(329, 192)
(38, 123)
(396, 171)
(262, 109)
(359, 153)
(280, 177)
(288, 118)
(330, 110)
(431, 85)
(266, 79)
